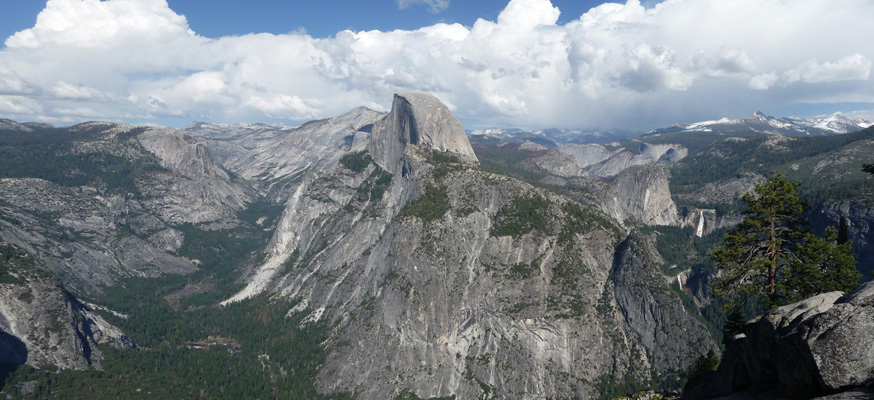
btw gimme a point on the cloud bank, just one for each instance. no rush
(616, 66)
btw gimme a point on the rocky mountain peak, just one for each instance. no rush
(421, 120)
(12, 125)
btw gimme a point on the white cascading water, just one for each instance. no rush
(700, 231)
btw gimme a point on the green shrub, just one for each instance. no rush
(374, 187)
(357, 161)
(26, 297)
(580, 220)
(702, 367)
(169, 369)
(431, 206)
(521, 216)
(445, 157)
(523, 270)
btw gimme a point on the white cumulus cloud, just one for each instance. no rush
(763, 81)
(854, 67)
(19, 105)
(65, 90)
(616, 66)
(16, 86)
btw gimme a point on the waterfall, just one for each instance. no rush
(700, 231)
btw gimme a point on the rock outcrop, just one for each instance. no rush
(45, 325)
(123, 221)
(196, 190)
(819, 346)
(642, 195)
(421, 120)
(603, 161)
(270, 156)
(639, 194)
(553, 162)
(82, 234)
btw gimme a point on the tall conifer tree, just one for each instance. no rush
(768, 256)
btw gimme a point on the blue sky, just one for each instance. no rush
(331, 16)
(526, 63)
(238, 17)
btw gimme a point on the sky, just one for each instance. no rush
(519, 63)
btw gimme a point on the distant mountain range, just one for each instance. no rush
(550, 137)
(787, 126)
(758, 122)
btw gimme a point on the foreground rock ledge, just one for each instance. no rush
(817, 347)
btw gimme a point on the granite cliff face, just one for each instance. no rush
(642, 194)
(274, 158)
(82, 235)
(43, 324)
(542, 305)
(195, 190)
(534, 314)
(94, 235)
(638, 195)
(652, 314)
(420, 120)
(605, 162)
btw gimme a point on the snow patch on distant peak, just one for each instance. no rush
(835, 123)
(496, 131)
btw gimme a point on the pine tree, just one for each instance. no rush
(734, 324)
(767, 256)
(824, 265)
(869, 168)
(761, 247)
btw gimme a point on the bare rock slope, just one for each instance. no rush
(444, 279)
(272, 155)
